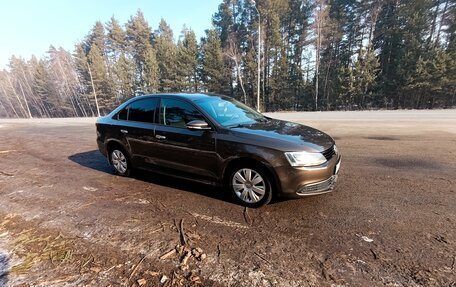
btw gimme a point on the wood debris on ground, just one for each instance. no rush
(185, 253)
(167, 254)
(141, 282)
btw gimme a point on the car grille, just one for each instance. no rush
(329, 153)
(319, 187)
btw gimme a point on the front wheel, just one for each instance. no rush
(120, 162)
(250, 186)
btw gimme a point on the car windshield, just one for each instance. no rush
(229, 112)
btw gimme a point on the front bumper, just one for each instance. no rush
(322, 186)
(299, 182)
(318, 188)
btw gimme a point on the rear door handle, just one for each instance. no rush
(124, 131)
(160, 137)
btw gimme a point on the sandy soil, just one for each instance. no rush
(65, 220)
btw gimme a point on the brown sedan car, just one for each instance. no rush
(217, 140)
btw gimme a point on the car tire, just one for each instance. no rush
(250, 185)
(120, 161)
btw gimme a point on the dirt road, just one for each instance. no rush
(65, 220)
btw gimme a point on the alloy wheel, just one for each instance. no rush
(248, 185)
(119, 161)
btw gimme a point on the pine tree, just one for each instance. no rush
(388, 39)
(223, 21)
(100, 79)
(281, 94)
(166, 57)
(82, 71)
(97, 37)
(298, 26)
(213, 67)
(368, 54)
(115, 39)
(124, 71)
(187, 57)
(415, 16)
(43, 88)
(120, 65)
(151, 72)
(138, 35)
(365, 73)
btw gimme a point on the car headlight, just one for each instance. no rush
(303, 158)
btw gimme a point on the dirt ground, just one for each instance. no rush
(66, 220)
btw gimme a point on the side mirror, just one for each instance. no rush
(198, 125)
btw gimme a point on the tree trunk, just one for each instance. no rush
(442, 20)
(375, 10)
(240, 81)
(6, 111)
(195, 78)
(23, 111)
(25, 100)
(10, 103)
(318, 22)
(93, 90)
(434, 21)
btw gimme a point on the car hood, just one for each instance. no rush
(284, 136)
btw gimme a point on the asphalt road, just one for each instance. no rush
(66, 220)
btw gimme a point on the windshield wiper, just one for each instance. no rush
(237, 126)
(243, 125)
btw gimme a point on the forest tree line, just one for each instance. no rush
(314, 55)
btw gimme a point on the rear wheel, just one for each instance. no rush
(120, 163)
(250, 186)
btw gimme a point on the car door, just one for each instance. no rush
(179, 148)
(139, 130)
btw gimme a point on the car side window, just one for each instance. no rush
(143, 110)
(177, 113)
(123, 114)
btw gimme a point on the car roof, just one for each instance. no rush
(188, 96)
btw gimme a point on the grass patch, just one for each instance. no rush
(33, 247)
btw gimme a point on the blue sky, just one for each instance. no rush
(29, 27)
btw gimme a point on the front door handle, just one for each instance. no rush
(124, 131)
(160, 137)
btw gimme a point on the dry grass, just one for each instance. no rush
(32, 247)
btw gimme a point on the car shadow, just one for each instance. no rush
(92, 159)
(4, 269)
(95, 160)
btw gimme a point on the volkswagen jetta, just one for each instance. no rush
(218, 140)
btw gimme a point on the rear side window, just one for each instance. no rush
(142, 110)
(177, 113)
